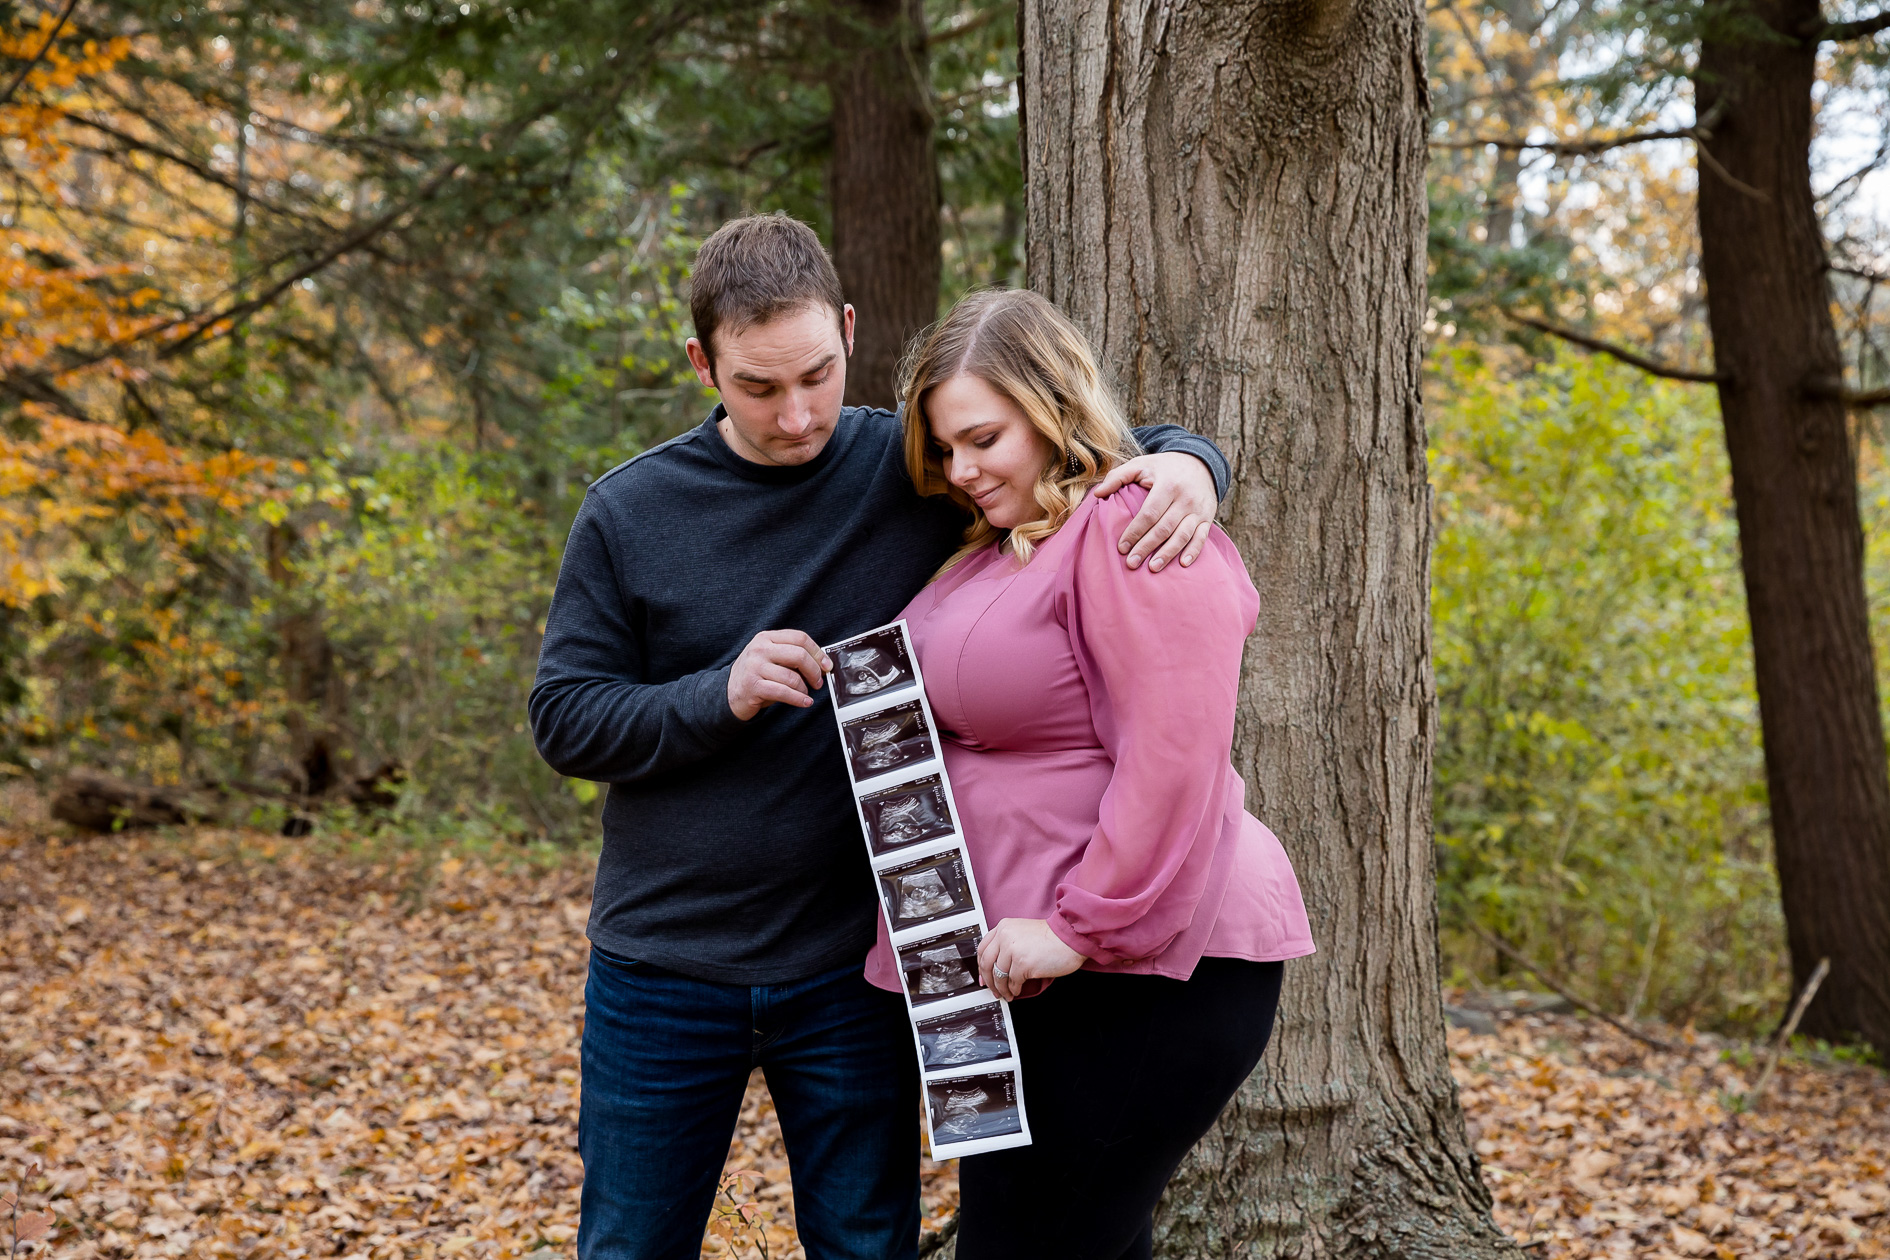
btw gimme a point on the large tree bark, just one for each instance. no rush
(884, 185)
(1800, 539)
(1229, 196)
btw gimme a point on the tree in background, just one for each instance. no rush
(1750, 68)
(1230, 199)
(885, 186)
(1794, 474)
(422, 263)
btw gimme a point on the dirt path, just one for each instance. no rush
(231, 1045)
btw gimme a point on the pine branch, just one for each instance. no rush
(1629, 357)
(1837, 32)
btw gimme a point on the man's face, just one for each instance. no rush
(781, 383)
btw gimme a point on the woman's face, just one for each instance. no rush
(992, 451)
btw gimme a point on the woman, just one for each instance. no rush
(1088, 709)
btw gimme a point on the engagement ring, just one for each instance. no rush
(1002, 975)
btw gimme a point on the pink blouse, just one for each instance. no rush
(1087, 711)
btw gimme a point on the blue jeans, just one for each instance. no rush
(666, 1063)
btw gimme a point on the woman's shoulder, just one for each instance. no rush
(1096, 528)
(1099, 524)
(1091, 520)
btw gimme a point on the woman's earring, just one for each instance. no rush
(1072, 466)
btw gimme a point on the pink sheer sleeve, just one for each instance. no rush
(1160, 654)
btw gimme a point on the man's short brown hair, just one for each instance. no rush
(756, 269)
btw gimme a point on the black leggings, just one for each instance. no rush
(1122, 1076)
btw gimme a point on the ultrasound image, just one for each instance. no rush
(888, 739)
(969, 1107)
(931, 888)
(941, 966)
(906, 815)
(871, 665)
(963, 1037)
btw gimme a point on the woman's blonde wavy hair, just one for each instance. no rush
(1027, 350)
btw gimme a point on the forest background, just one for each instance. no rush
(319, 317)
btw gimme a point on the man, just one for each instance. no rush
(733, 908)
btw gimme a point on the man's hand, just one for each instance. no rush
(1017, 951)
(1178, 514)
(777, 667)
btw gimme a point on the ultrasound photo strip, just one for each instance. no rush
(922, 874)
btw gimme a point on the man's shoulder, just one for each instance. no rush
(659, 460)
(873, 423)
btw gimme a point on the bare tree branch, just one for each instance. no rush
(39, 56)
(1714, 165)
(1834, 388)
(946, 104)
(1509, 951)
(1568, 148)
(201, 325)
(131, 144)
(1701, 130)
(1863, 399)
(1629, 357)
(966, 27)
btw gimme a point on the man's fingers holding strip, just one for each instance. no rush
(782, 675)
(802, 640)
(770, 692)
(793, 656)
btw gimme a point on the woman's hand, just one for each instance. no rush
(1020, 950)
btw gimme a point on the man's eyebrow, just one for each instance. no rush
(768, 380)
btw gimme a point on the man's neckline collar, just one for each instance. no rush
(771, 474)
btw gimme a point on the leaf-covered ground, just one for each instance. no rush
(227, 1045)
(1595, 1146)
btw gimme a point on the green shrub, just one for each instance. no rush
(1600, 790)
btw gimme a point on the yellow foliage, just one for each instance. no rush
(73, 471)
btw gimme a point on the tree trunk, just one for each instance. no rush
(1800, 538)
(1229, 197)
(884, 184)
(310, 684)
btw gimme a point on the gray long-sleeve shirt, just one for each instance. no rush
(732, 849)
